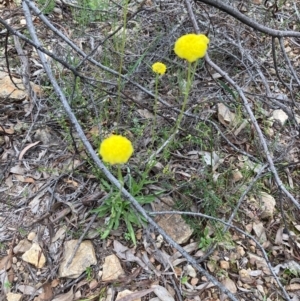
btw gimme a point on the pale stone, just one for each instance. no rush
(31, 236)
(112, 268)
(230, 285)
(84, 257)
(245, 276)
(211, 266)
(93, 284)
(9, 91)
(224, 264)
(280, 116)
(267, 205)
(240, 250)
(243, 273)
(13, 297)
(173, 224)
(194, 281)
(236, 175)
(126, 293)
(23, 246)
(35, 256)
(190, 271)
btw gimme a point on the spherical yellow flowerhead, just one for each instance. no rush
(116, 149)
(191, 46)
(159, 68)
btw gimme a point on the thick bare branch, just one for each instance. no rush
(221, 5)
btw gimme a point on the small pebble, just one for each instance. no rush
(93, 284)
(224, 264)
(31, 236)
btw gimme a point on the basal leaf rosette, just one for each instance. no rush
(191, 47)
(116, 149)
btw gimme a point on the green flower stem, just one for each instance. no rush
(123, 42)
(190, 77)
(186, 94)
(155, 107)
(120, 177)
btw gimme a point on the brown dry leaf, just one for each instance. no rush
(25, 149)
(128, 254)
(47, 294)
(278, 239)
(127, 295)
(29, 180)
(4, 130)
(145, 113)
(29, 290)
(55, 282)
(259, 262)
(5, 263)
(94, 131)
(260, 231)
(10, 275)
(293, 287)
(297, 226)
(225, 116)
(74, 183)
(69, 296)
(162, 293)
(17, 170)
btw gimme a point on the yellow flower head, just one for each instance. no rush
(191, 46)
(116, 149)
(159, 68)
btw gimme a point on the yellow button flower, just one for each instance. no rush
(116, 149)
(159, 68)
(191, 46)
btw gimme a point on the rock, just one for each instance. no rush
(245, 276)
(224, 264)
(13, 297)
(190, 271)
(236, 175)
(35, 256)
(126, 293)
(84, 257)
(280, 116)
(47, 136)
(174, 225)
(267, 205)
(178, 229)
(230, 285)
(9, 91)
(31, 236)
(194, 281)
(23, 246)
(240, 250)
(112, 268)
